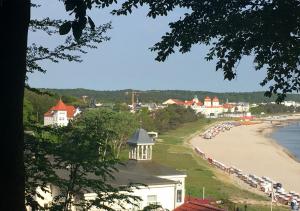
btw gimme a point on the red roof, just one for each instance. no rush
(247, 117)
(196, 204)
(61, 106)
(189, 103)
(177, 102)
(219, 106)
(199, 103)
(207, 98)
(227, 105)
(215, 99)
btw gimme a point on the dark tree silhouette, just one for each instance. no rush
(14, 21)
(268, 30)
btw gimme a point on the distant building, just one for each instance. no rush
(211, 107)
(60, 114)
(173, 102)
(291, 103)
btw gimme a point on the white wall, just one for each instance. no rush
(48, 120)
(61, 118)
(207, 103)
(165, 195)
(180, 179)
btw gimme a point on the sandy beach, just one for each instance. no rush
(249, 148)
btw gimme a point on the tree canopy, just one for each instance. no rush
(77, 159)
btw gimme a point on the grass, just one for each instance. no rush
(173, 150)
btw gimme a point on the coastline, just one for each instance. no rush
(269, 130)
(252, 149)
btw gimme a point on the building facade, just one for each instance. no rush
(60, 114)
(211, 107)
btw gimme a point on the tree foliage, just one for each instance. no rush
(159, 96)
(70, 49)
(121, 124)
(35, 105)
(268, 30)
(273, 109)
(76, 159)
(166, 119)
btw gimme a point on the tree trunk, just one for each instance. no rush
(14, 21)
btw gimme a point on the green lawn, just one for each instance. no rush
(173, 150)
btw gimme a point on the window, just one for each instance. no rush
(151, 199)
(179, 196)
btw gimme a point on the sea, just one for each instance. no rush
(288, 136)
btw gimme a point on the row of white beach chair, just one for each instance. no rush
(264, 184)
(215, 130)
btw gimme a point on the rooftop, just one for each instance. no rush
(61, 106)
(196, 204)
(148, 168)
(140, 137)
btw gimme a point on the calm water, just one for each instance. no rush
(289, 137)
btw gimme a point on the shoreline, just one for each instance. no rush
(252, 149)
(267, 131)
(273, 141)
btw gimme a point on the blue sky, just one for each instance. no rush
(126, 61)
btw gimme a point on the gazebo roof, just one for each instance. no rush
(140, 137)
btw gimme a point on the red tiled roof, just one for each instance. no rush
(187, 102)
(61, 106)
(207, 98)
(220, 106)
(227, 105)
(70, 111)
(195, 204)
(177, 102)
(247, 117)
(48, 113)
(199, 103)
(215, 99)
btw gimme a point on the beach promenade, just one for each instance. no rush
(249, 148)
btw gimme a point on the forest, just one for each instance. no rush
(158, 96)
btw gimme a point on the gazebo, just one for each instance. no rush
(140, 146)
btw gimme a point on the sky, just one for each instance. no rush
(125, 62)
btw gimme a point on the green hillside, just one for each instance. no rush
(159, 96)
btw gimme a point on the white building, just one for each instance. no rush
(211, 107)
(291, 103)
(60, 114)
(164, 186)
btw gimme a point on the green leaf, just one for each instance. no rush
(65, 28)
(91, 22)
